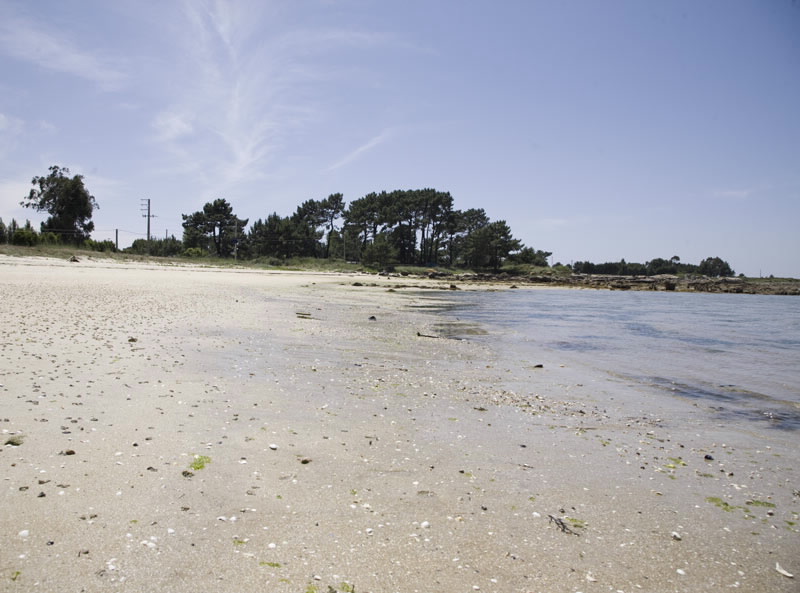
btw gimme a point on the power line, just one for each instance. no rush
(120, 230)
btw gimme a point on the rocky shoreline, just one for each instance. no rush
(657, 283)
(663, 282)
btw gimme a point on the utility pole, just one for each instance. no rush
(116, 239)
(146, 214)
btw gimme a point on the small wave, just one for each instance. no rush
(574, 346)
(746, 404)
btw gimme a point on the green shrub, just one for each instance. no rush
(103, 246)
(47, 238)
(25, 238)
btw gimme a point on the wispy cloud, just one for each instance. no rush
(6, 123)
(104, 189)
(310, 41)
(361, 150)
(246, 89)
(11, 128)
(171, 126)
(733, 194)
(219, 124)
(31, 42)
(553, 223)
(12, 192)
(47, 127)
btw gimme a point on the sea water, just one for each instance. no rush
(740, 352)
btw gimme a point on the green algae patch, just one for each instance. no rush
(760, 503)
(718, 502)
(200, 462)
(575, 523)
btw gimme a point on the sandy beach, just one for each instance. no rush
(184, 429)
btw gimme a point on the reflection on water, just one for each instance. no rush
(742, 404)
(574, 345)
(459, 329)
(742, 351)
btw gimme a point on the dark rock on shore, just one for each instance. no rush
(738, 285)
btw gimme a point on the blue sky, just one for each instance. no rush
(598, 130)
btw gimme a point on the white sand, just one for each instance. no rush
(422, 471)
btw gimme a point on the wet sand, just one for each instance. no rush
(197, 429)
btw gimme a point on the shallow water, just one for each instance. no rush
(738, 352)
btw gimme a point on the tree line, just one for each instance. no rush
(24, 235)
(714, 267)
(417, 227)
(70, 206)
(406, 227)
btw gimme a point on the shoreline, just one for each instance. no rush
(661, 283)
(331, 450)
(460, 281)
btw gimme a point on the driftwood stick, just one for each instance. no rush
(562, 526)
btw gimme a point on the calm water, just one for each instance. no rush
(742, 351)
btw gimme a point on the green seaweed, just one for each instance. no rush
(200, 461)
(760, 503)
(270, 564)
(718, 502)
(579, 523)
